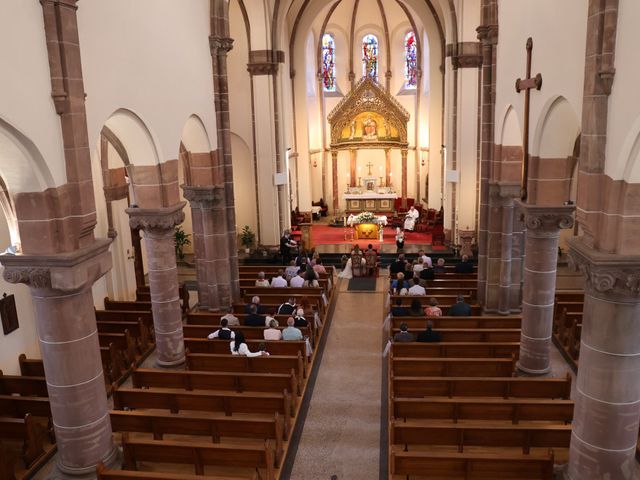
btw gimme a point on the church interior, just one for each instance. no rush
(319, 239)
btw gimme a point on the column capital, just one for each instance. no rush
(505, 190)
(546, 221)
(159, 220)
(204, 196)
(220, 44)
(606, 274)
(64, 272)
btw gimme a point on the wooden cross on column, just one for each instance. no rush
(527, 84)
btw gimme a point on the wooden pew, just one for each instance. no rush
(510, 387)
(231, 381)
(213, 318)
(512, 410)
(124, 305)
(199, 455)
(453, 367)
(274, 347)
(137, 329)
(472, 466)
(17, 407)
(235, 363)
(160, 424)
(250, 333)
(472, 335)
(108, 474)
(460, 435)
(30, 367)
(143, 294)
(26, 430)
(21, 385)
(272, 269)
(126, 316)
(456, 349)
(476, 322)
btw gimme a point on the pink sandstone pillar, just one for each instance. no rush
(158, 225)
(210, 245)
(543, 225)
(66, 323)
(607, 398)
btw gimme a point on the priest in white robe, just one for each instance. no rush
(410, 219)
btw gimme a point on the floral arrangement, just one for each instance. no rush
(365, 217)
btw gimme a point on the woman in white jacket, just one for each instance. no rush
(239, 347)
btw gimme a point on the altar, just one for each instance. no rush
(372, 196)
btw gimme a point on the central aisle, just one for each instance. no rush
(341, 434)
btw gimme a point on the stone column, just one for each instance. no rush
(334, 177)
(159, 226)
(210, 245)
(66, 323)
(404, 154)
(607, 398)
(543, 225)
(387, 166)
(353, 161)
(506, 252)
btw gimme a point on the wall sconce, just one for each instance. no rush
(315, 163)
(422, 163)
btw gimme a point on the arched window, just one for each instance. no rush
(410, 61)
(328, 63)
(370, 56)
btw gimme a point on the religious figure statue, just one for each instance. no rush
(410, 219)
(387, 129)
(352, 133)
(370, 127)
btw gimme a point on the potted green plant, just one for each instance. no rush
(247, 237)
(182, 239)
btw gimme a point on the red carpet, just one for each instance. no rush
(325, 235)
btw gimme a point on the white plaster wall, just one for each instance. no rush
(558, 30)
(25, 338)
(622, 159)
(25, 96)
(243, 174)
(152, 57)
(467, 147)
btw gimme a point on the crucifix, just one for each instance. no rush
(527, 84)
(370, 165)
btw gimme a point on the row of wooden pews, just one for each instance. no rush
(27, 440)
(567, 323)
(223, 417)
(457, 411)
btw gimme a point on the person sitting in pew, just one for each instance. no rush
(239, 347)
(291, 332)
(428, 336)
(416, 288)
(416, 309)
(398, 265)
(403, 335)
(299, 320)
(460, 308)
(311, 278)
(433, 310)
(398, 310)
(261, 281)
(399, 286)
(273, 332)
(439, 266)
(255, 300)
(231, 319)
(254, 319)
(224, 333)
(297, 281)
(288, 307)
(426, 259)
(418, 266)
(292, 270)
(427, 273)
(319, 267)
(279, 280)
(465, 266)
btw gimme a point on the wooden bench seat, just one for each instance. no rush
(274, 347)
(199, 455)
(476, 322)
(212, 318)
(17, 407)
(21, 385)
(126, 316)
(513, 410)
(126, 305)
(471, 334)
(471, 466)
(250, 333)
(456, 349)
(30, 367)
(513, 387)
(160, 424)
(460, 435)
(453, 367)
(231, 381)
(26, 430)
(108, 474)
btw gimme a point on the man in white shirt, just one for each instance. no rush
(417, 289)
(297, 281)
(224, 332)
(426, 260)
(291, 270)
(279, 281)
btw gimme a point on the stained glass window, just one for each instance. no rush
(328, 63)
(370, 56)
(410, 61)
